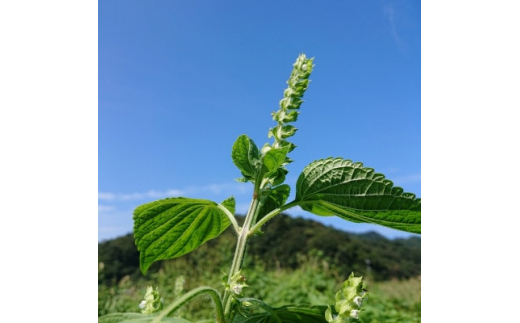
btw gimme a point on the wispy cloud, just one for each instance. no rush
(105, 208)
(225, 188)
(389, 12)
(108, 196)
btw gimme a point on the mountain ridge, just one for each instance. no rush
(285, 240)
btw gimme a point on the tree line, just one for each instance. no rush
(283, 245)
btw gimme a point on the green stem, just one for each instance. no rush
(231, 218)
(240, 250)
(190, 295)
(270, 215)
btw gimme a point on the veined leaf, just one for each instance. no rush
(335, 186)
(273, 161)
(286, 314)
(274, 158)
(173, 227)
(136, 318)
(279, 177)
(275, 198)
(229, 204)
(245, 156)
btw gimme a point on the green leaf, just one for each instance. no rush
(136, 318)
(335, 186)
(278, 177)
(173, 227)
(275, 198)
(229, 204)
(273, 161)
(245, 156)
(274, 158)
(286, 314)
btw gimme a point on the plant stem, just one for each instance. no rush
(240, 250)
(190, 295)
(270, 215)
(231, 218)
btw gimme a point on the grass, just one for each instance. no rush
(313, 282)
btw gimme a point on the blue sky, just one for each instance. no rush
(179, 81)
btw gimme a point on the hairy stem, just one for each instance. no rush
(240, 250)
(231, 218)
(189, 296)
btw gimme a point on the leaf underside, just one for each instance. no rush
(336, 186)
(173, 227)
(287, 314)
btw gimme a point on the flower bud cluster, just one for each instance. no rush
(152, 301)
(348, 301)
(237, 283)
(298, 83)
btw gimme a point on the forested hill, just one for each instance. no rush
(285, 243)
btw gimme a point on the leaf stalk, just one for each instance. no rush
(271, 215)
(189, 296)
(231, 218)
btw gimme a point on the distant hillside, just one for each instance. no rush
(285, 241)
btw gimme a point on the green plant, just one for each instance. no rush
(173, 227)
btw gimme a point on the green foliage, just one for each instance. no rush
(335, 186)
(283, 245)
(176, 226)
(313, 281)
(173, 227)
(311, 314)
(274, 198)
(119, 258)
(136, 318)
(246, 157)
(394, 302)
(152, 301)
(286, 239)
(348, 301)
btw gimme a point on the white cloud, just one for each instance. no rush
(229, 188)
(216, 189)
(105, 208)
(174, 192)
(106, 196)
